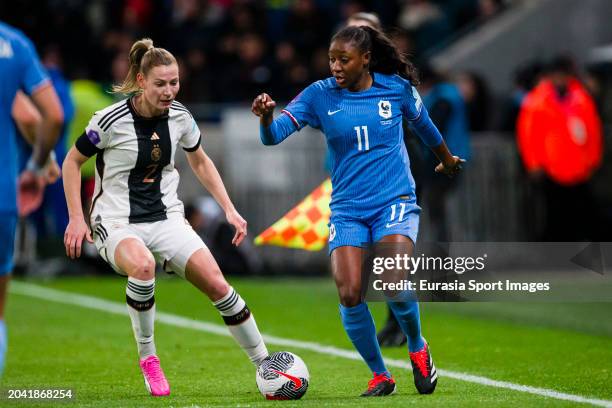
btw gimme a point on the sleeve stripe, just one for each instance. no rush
(109, 117)
(181, 109)
(41, 85)
(177, 103)
(417, 117)
(118, 108)
(195, 147)
(295, 122)
(109, 124)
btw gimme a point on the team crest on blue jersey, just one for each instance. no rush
(332, 232)
(384, 109)
(6, 51)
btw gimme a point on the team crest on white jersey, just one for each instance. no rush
(332, 232)
(156, 153)
(384, 109)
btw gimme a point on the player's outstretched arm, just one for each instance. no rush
(28, 120)
(271, 131)
(48, 104)
(31, 181)
(206, 171)
(77, 227)
(26, 116)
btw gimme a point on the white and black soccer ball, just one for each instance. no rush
(282, 376)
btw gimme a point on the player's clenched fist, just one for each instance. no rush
(263, 105)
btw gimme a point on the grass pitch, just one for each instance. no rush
(566, 348)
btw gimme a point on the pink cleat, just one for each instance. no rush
(154, 377)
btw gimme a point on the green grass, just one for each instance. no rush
(567, 348)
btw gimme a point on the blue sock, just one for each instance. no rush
(3, 345)
(359, 326)
(409, 319)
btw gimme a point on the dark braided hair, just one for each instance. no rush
(385, 58)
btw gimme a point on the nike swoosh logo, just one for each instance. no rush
(392, 225)
(334, 112)
(297, 383)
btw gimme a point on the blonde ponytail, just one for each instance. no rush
(143, 57)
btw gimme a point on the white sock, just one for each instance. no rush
(140, 298)
(242, 326)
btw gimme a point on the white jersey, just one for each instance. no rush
(136, 180)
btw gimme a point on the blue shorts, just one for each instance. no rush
(8, 225)
(400, 217)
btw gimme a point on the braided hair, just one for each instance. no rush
(385, 57)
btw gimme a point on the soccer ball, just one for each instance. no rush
(282, 376)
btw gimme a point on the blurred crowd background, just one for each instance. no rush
(539, 156)
(229, 50)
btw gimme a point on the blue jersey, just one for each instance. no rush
(20, 68)
(369, 163)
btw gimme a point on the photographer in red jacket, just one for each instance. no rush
(560, 141)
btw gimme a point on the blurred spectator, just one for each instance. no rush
(118, 70)
(477, 99)
(593, 82)
(205, 35)
(197, 76)
(319, 65)
(426, 21)
(448, 112)
(292, 74)
(364, 19)
(244, 17)
(560, 141)
(306, 26)
(461, 12)
(208, 220)
(487, 9)
(525, 79)
(350, 8)
(403, 41)
(251, 74)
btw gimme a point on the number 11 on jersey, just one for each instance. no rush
(366, 143)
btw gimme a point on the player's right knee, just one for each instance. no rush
(218, 289)
(349, 295)
(142, 267)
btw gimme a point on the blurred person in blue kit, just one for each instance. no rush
(525, 78)
(448, 112)
(477, 98)
(20, 68)
(51, 218)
